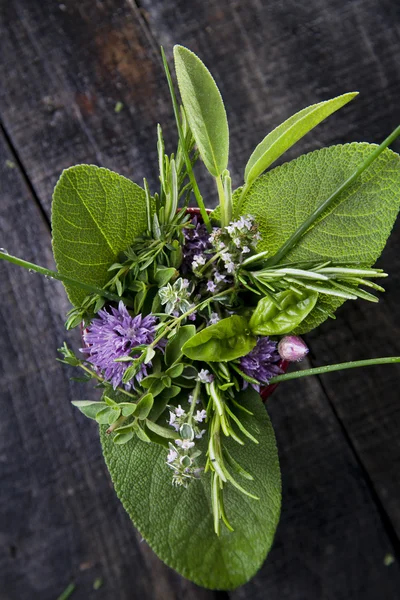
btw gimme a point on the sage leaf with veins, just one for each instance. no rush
(352, 232)
(204, 109)
(96, 214)
(177, 522)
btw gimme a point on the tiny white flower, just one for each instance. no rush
(205, 376)
(172, 455)
(245, 249)
(219, 277)
(230, 228)
(172, 418)
(184, 444)
(199, 259)
(237, 242)
(179, 411)
(200, 434)
(211, 287)
(230, 267)
(214, 318)
(226, 257)
(200, 416)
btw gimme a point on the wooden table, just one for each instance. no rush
(66, 69)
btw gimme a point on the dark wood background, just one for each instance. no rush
(64, 66)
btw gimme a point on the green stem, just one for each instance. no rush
(328, 202)
(338, 367)
(188, 163)
(240, 202)
(225, 219)
(56, 275)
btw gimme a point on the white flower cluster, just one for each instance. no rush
(182, 455)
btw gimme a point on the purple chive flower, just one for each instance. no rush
(261, 362)
(197, 240)
(292, 348)
(112, 335)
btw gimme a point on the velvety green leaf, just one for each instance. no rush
(268, 319)
(177, 522)
(95, 215)
(226, 340)
(288, 133)
(204, 109)
(89, 408)
(353, 231)
(173, 350)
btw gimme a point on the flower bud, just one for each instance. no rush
(292, 348)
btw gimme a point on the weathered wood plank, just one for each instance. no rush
(60, 520)
(330, 542)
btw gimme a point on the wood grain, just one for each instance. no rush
(65, 66)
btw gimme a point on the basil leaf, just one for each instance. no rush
(268, 319)
(288, 133)
(178, 523)
(204, 109)
(226, 340)
(96, 214)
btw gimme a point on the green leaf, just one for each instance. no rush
(226, 340)
(144, 406)
(268, 319)
(89, 408)
(164, 432)
(204, 109)
(288, 133)
(352, 232)
(123, 438)
(163, 275)
(178, 523)
(96, 214)
(173, 350)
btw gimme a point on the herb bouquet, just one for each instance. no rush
(188, 316)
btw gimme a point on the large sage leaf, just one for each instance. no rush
(352, 231)
(177, 522)
(204, 108)
(226, 340)
(288, 133)
(95, 215)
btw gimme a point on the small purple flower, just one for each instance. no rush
(261, 362)
(205, 376)
(214, 318)
(197, 240)
(112, 335)
(211, 286)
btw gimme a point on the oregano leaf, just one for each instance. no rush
(178, 523)
(204, 109)
(288, 133)
(96, 214)
(353, 231)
